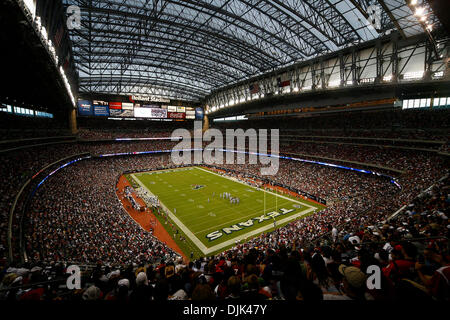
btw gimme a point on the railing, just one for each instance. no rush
(395, 214)
(36, 284)
(407, 240)
(36, 145)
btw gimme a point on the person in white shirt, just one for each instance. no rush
(354, 240)
(334, 234)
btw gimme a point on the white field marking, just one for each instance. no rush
(223, 210)
(183, 195)
(231, 241)
(174, 218)
(231, 208)
(223, 214)
(231, 222)
(170, 186)
(247, 235)
(238, 181)
(259, 200)
(200, 206)
(191, 200)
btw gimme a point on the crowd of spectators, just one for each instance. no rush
(399, 159)
(424, 123)
(76, 217)
(18, 166)
(410, 251)
(21, 165)
(98, 134)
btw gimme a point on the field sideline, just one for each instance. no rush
(192, 198)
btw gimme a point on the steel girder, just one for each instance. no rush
(386, 61)
(186, 49)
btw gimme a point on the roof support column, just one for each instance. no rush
(379, 58)
(73, 121)
(341, 69)
(394, 57)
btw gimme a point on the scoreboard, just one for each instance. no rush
(117, 109)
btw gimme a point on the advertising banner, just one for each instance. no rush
(158, 113)
(138, 97)
(176, 115)
(150, 113)
(85, 108)
(190, 115)
(126, 111)
(115, 105)
(101, 108)
(199, 113)
(127, 106)
(115, 109)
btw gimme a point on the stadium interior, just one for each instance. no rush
(97, 93)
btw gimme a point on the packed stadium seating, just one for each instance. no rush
(75, 217)
(340, 111)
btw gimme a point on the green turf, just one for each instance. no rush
(175, 189)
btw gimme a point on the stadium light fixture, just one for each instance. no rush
(413, 75)
(413, 2)
(334, 83)
(419, 11)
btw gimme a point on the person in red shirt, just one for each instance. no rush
(438, 285)
(402, 263)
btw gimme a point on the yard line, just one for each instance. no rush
(240, 219)
(207, 250)
(236, 180)
(186, 230)
(222, 212)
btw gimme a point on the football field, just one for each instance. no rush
(194, 200)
